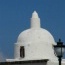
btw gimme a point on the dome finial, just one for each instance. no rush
(35, 15)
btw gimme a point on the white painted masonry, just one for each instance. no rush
(38, 43)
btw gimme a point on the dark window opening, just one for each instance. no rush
(22, 52)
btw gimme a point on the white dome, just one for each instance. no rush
(35, 35)
(38, 42)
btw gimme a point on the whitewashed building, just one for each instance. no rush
(35, 45)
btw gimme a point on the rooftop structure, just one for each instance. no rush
(35, 43)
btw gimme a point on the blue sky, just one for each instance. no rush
(15, 17)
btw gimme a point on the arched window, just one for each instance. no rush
(22, 52)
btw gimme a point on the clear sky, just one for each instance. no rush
(15, 17)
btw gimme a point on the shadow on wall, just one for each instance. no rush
(31, 62)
